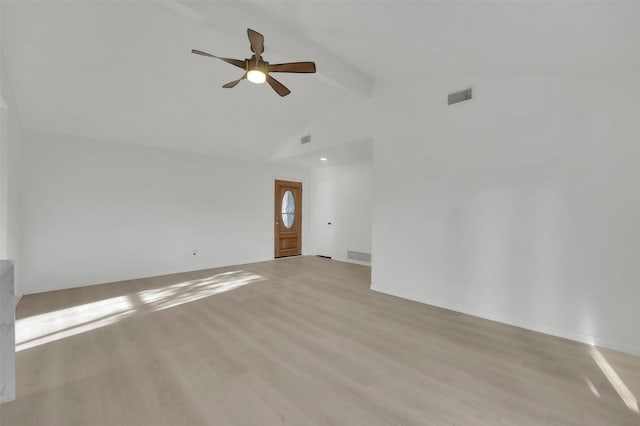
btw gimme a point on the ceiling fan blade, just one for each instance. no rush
(200, 52)
(277, 86)
(257, 41)
(234, 83)
(306, 67)
(237, 62)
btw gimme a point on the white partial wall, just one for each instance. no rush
(521, 205)
(10, 192)
(98, 212)
(343, 196)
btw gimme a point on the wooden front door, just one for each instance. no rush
(288, 218)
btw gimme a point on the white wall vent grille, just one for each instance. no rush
(359, 256)
(463, 95)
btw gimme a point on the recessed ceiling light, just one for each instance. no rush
(323, 158)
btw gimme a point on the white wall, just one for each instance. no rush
(10, 193)
(98, 212)
(351, 206)
(521, 205)
(4, 176)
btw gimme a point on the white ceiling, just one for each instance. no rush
(396, 40)
(336, 155)
(122, 70)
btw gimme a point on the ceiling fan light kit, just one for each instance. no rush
(256, 76)
(257, 70)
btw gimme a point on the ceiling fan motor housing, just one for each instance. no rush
(260, 65)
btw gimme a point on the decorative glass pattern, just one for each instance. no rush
(288, 209)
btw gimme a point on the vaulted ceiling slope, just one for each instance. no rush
(122, 71)
(402, 40)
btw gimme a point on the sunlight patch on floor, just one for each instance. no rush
(592, 387)
(627, 397)
(51, 326)
(44, 328)
(189, 291)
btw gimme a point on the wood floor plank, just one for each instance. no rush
(298, 341)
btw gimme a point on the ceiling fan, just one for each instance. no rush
(257, 70)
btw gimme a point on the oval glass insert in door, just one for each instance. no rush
(288, 209)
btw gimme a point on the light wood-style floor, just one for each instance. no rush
(298, 341)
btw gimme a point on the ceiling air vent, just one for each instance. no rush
(463, 95)
(305, 139)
